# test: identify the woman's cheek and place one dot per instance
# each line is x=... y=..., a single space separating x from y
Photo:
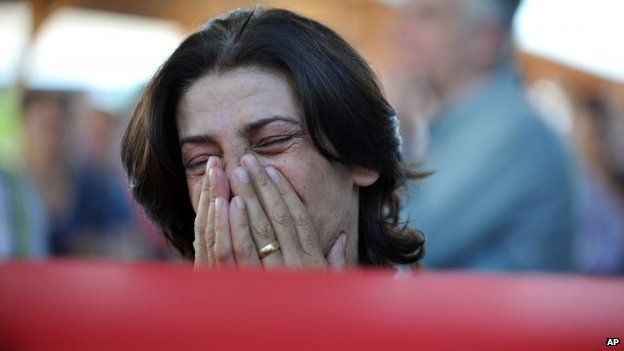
x=194 y=189
x=306 y=182
x=294 y=172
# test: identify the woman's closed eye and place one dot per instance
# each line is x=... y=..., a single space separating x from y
x=274 y=144
x=195 y=161
x=197 y=164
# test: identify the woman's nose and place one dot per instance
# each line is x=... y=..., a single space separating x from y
x=231 y=161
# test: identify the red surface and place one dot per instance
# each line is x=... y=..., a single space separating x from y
x=88 y=305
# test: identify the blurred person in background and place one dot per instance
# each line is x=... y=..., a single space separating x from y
x=5 y=231
x=586 y=120
x=23 y=223
x=614 y=136
x=502 y=192
x=22 y=218
x=86 y=210
x=600 y=246
x=107 y=226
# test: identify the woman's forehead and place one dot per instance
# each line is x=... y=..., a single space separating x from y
x=240 y=83
x=236 y=98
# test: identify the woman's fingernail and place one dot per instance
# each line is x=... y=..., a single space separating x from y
x=273 y=174
x=343 y=240
x=239 y=202
x=250 y=162
x=219 y=204
x=212 y=176
x=336 y=257
x=241 y=175
x=212 y=161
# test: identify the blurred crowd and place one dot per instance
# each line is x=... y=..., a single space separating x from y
x=66 y=195
x=525 y=176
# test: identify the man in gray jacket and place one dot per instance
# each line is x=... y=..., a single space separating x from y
x=502 y=192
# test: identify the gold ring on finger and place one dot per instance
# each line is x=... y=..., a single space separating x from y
x=268 y=249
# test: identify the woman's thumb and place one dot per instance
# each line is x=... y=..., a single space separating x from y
x=336 y=257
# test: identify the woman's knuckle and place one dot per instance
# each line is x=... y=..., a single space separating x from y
x=248 y=193
x=302 y=220
x=240 y=225
x=245 y=249
x=220 y=227
x=282 y=216
x=316 y=261
x=263 y=230
x=205 y=187
x=309 y=247
x=221 y=255
x=263 y=179
x=296 y=263
x=197 y=244
x=199 y=227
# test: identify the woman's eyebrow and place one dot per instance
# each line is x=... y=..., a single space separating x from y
x=254 y=126
x=196 y=139
x=247 y=130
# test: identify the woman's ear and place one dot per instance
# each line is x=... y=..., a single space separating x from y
x=363 y=177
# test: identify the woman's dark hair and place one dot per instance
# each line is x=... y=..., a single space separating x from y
x=346 y=116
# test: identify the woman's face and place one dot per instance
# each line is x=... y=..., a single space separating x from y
x=252 y=110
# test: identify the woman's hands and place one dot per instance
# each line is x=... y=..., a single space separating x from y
x=265 y=208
